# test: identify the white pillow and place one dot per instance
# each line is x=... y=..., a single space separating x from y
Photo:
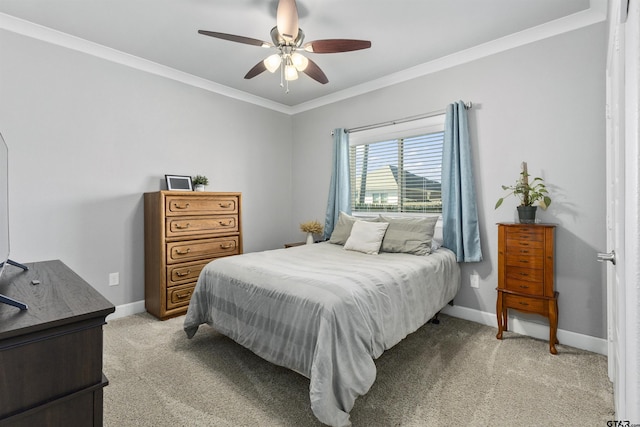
x=366 y=237
x=342 y=228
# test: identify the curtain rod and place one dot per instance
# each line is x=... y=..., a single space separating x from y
x=467 y=106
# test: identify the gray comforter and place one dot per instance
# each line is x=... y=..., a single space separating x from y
x=323 y=311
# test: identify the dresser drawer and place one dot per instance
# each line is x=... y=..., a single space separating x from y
x=183 y=273
x=515 y=244
x=179 y=296
x=533 y=262
x=523 y=232
x=522 y=303
x=525 y=250
x=526 y=274
x=200 y=205
x=194 y=225
x=193 y=250
x=524 y=287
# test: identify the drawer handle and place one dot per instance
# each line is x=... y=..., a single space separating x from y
x=227 y=224
x=524 y=274
x=524 y=251
x=225 y=205
x=182 y=295
x=183 y=226
x=524 y=286
x=183 y=273
x=179 y=252
x=226 y=246
x=524 y=261
x=524 y=244
x=523 y=303
x=177 y=206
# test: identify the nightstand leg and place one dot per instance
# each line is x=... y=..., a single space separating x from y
x=505 y=319
x=499 y=315
x=553 y=324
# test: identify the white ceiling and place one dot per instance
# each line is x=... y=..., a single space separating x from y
x=408 y=37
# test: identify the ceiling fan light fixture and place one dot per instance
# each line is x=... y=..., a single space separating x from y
x=272 y=62
x=290 y=73
x=299 y=61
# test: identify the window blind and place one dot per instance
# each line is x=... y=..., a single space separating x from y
x=398 y=175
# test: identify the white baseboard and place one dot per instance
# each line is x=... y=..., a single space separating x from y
x=535 y=330
x=519 y=326
x=127 y=310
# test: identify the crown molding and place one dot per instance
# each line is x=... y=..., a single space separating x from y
x=40 y=32
x=596 y=13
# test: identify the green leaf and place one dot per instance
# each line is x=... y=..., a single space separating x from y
x=499 y=202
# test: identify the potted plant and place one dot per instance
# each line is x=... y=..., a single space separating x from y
x=199 y=181
x=532 y=193
x=311 y=228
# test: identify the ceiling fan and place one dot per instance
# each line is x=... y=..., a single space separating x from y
x=288 y=40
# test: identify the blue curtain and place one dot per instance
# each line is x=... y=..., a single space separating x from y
x=459 y=209
x=339 y=192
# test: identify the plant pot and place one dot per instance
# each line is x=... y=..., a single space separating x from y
x=527 y=214
x=199 y=187
x=309 y=238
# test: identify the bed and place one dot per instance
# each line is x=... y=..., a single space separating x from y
x=323 y=311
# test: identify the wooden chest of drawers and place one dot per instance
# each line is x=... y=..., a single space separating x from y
x=183 y=232
x=525 y=274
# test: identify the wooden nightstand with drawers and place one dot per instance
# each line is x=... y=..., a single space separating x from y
x=293 y=245
x=183 y=232
x=525 y=275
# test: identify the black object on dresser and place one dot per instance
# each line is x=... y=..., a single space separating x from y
x=51 y=354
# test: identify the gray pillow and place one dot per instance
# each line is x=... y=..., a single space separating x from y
x=409 y=235
x=342 y=229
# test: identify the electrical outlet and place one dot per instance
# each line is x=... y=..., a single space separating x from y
x=475 y=281
x=114 y=279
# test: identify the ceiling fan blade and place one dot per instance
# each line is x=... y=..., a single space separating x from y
x=287 y=19
x=237 y=39
x=315 y=73
x=257 y=69
x=336 y=45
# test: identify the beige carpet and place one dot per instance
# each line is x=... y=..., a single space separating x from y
x=453 y=374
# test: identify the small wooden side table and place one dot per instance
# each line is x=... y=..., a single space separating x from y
x=525 y=275
x=291 y=245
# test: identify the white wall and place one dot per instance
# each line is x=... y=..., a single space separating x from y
x=88 y=137
x=542 y=103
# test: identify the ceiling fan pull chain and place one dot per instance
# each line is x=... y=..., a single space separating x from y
x=281 y=72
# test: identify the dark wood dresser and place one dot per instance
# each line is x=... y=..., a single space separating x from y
x=51 y=354
x=525 y=274
x=183 y=232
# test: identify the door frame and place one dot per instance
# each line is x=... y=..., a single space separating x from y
x=623 y=229
x=632 y=211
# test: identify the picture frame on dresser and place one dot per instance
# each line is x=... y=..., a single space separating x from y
x=179 y=183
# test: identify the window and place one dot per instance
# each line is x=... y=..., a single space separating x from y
x=398 y=170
